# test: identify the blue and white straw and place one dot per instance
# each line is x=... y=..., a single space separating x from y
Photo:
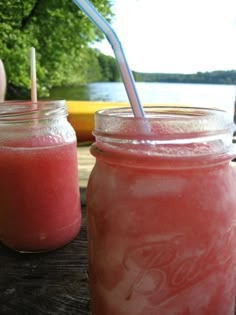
x=113 y=39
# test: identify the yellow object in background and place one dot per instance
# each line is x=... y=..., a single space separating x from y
x=81 y=116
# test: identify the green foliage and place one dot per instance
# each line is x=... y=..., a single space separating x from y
x=214 y=77
x=61 y=34
x=109 y=68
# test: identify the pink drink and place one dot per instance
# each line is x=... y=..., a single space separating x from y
x=39 y=197
x=161 y=229
x=39 y=190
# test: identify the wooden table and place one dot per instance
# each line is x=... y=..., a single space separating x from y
x=52 y=283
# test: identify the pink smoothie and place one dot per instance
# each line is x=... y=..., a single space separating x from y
x=39 y=196
x=161 y=239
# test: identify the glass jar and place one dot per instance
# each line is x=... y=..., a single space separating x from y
x=161 y=209
x=39 y=191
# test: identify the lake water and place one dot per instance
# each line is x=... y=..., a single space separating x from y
x=203 y=95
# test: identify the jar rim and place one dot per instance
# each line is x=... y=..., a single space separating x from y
x=26 y=110
x=120 y=112
x=172 y=130
x=170 y=121
x=29 y=102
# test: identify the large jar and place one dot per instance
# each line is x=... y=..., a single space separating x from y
x=161 y=207
x=39 y=192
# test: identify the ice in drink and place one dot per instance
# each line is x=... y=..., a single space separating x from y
x=39 y=189
x=161 y=226
x=39 y=197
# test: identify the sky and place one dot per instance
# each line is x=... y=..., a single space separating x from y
x=175 y=36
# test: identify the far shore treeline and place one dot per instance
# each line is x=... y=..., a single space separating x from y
x=214 y=77
x=63 y=37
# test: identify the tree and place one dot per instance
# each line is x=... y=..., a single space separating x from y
x=109 y=68
x=58 y=30
x=214 y=77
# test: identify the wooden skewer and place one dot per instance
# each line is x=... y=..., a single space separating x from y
x=3 y=82
x=33 y=77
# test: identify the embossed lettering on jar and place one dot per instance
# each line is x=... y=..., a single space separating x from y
x=161 y=213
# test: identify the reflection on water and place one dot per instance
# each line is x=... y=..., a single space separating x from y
x=91 y=92
x=203 y=95
x=80 y=92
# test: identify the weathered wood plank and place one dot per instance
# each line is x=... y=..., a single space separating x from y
x=85 y=164
x=47 y=283
x=53 y=283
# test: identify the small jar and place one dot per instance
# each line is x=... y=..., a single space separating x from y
x=39 y=190
x=161 y=210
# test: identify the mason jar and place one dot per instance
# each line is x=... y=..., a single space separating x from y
x=39 y=190
x=161 y=212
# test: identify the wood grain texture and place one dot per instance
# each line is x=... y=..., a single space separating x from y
x=85 y=164
x=48 y=283
x=53 y=283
